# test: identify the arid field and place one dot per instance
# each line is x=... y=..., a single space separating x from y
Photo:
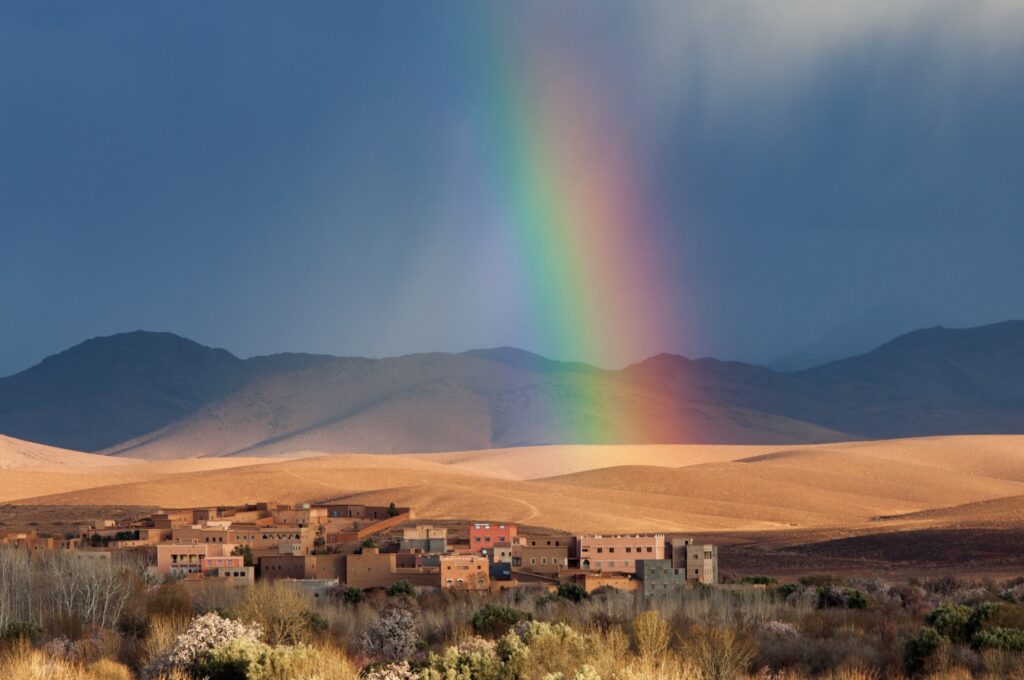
x=761 y=499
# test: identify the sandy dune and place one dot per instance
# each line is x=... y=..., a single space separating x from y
x=939 y=481
x=17 y=454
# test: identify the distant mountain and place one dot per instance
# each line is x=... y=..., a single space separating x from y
x=157 y=395
x=106 y=390
x=859 y=334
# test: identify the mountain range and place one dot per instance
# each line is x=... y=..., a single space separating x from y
x=158 y=395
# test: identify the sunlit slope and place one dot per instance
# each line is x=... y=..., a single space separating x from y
x=604 y=488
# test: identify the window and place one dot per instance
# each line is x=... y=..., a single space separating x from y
x=600 y=550
x=628 y=549
x=611 y=550
x=533 y=560
x=650 y=549
x=543 y=560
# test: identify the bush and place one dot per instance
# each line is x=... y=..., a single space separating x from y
x=953 y=621
x=573 y=592
x=20 y=631
x=719 y=653
x=279 y=610
x=205 y=634
x=651 y=636
x=475 y=658
x=839 y=597
x=1008 y=639
x=393 y=637
x=402 y=587
x=354 y=595
x=171 y=600
x=919 y=649
x=494 y=620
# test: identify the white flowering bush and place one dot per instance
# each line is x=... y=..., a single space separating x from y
x=393 y=637
x=204 y=634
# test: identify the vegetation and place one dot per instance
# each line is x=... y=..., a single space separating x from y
x=104 y=621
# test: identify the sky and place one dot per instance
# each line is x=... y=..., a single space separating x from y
x=329 y=177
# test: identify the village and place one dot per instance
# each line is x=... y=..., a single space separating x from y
x=330 y=548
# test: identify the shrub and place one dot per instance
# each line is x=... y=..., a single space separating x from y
x=171 y=600
x=204 y=634
x=246 y=553
x=279 y=610
x=953 y=621
x=719 y=653
x=837 y=596
x=354 y=595
x=651 y=636
x=239 y=659
x=20 y=631
x=475 y=658
x=1009 y=639
x=402 y=587
x=494 y=620
x=573 y=592
x=393 y=637
x=919 y=649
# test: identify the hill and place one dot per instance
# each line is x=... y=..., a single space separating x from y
x=155 y=395
x=16 y=454
x=830 y=489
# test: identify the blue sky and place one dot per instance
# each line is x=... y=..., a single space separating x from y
x=276 y=178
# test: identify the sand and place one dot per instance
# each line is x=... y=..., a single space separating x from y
x=936 y=481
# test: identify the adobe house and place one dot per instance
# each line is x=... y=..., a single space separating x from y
x=183 y=560
x=424 y=538
x=485 y=535
x=659 y=577
x=355 y=510
x=619 y=553
x=302 y=516
x=464 y=572
x=303 y=567
x=543 y=554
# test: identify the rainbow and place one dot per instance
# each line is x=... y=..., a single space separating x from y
x=568 y=189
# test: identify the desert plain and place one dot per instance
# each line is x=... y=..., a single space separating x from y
x=953 y=504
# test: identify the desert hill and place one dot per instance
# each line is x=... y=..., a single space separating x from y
x=158 y=396
x=829 y=488
x=16 y=454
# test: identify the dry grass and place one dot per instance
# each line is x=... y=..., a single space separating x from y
x=22 y=662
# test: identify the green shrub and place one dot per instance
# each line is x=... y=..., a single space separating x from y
x=20 y=631
x=494 y=620
x=354 y=595
x=402 y=587
x=573 y=592
x=919 y=648
x=830 y=597
x=1008 y=639
x=253 y=660
x=953 y=621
